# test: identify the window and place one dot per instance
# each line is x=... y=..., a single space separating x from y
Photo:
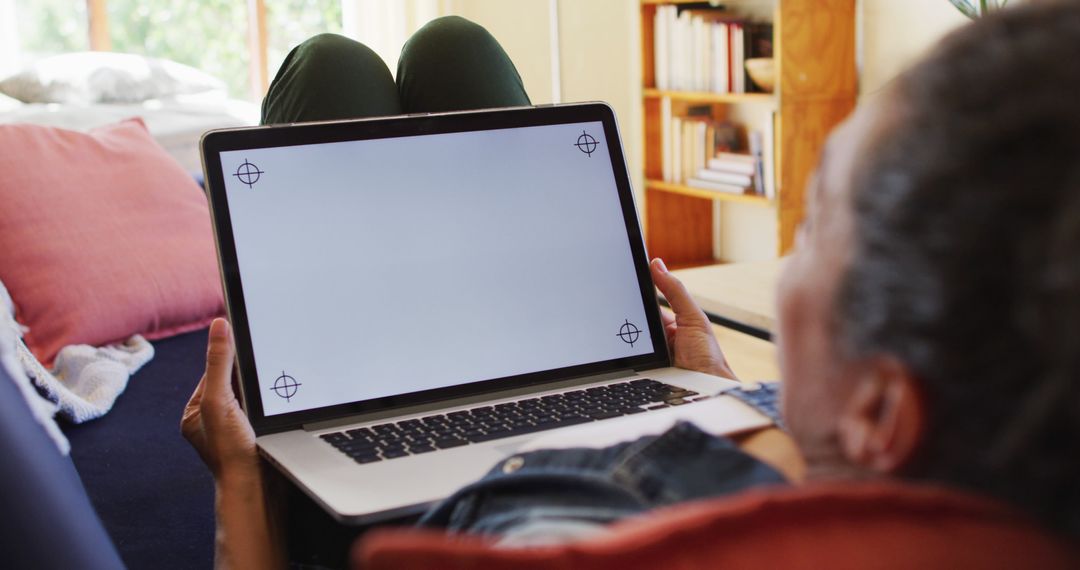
x=293 y=21
x=48 y=27
x=209 y=35
x=241 y=42
x=224 y=38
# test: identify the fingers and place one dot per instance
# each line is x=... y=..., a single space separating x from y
x=219 y=363
x=686 y=309
x=667 y=317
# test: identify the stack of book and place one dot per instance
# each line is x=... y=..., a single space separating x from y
x=702 y=153
x=727 y=172
x=705 y=49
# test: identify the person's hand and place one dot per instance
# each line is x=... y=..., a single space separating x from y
x=213 y=421
x=689 y=333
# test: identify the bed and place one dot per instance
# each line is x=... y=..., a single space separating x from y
x=84 y=90
x=176 y=123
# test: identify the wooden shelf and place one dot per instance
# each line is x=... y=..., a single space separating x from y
x=708 y=97
x=814 y=47
x=708 y=194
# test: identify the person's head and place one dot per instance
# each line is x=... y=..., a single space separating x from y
x=930 y=317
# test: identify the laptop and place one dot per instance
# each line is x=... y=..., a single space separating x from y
x=416 y=298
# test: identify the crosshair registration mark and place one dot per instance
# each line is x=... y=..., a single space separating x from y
x=248 y=173
x=586 y=143
x=629 y=333
x=285 y=386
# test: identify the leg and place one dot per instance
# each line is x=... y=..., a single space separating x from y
x=330 y=77
x=452 y=64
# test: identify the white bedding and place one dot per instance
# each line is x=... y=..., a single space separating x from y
x=175 y=123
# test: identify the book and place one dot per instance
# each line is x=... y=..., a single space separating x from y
x=676 y=149
x=703 y=47
x=715 y=186
x=661 y=69
x=665 y=140
x=768 y=157
x=740 y=180
x=755 y=140
x=720 y=58
x=733 y=164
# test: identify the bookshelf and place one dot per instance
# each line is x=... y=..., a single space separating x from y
x=814 y=49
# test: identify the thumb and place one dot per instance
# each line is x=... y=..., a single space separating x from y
x=687 y=312
x=219 y=362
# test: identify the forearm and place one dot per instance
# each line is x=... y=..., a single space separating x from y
x=244 y=531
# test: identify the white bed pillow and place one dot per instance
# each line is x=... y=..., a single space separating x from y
x=105 y=77
x=8 y=103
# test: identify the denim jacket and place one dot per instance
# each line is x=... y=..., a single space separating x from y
x=555 y=495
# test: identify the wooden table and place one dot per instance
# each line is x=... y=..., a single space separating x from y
x=739 y=295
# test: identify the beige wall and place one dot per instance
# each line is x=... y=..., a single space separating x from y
x=896 y=33
x=523 y=27
x=600 y=52
x=593 y=55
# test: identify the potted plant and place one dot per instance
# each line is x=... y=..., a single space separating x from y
x=975 y=8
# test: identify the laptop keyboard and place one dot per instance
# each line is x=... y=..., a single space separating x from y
x=486 y=423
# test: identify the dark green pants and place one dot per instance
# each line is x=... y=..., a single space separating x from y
x=451 y=64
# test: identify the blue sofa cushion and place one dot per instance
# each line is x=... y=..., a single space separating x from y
x=148 y=485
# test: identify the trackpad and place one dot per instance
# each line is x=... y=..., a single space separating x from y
x=722 y=415
x=508 y=449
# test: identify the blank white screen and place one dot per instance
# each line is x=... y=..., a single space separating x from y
x=383 y=267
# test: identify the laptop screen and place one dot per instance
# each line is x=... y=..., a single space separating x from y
x=390 y=266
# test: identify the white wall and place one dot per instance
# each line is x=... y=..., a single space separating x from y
x=600 y=53
x=896 y=33
x=523 y=27
x=592 y=54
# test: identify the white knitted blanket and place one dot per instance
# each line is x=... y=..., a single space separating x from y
x=85 y=380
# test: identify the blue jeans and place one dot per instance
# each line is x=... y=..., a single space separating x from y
x=578 y=489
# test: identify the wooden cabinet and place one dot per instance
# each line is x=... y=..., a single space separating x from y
x=814 y=48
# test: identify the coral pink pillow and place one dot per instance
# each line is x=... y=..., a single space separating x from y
x=102 y=235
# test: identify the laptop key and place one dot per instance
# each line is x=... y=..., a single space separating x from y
x=356 y=446
x=604 y=415
x=417 y=449
x=366 y=458
x=503 y=434
x=392 y=453
x=449 y=442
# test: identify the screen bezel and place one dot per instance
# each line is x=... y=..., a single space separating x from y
x=215 y=142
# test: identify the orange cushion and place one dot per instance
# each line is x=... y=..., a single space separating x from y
x=103 y=236
x=843 y=525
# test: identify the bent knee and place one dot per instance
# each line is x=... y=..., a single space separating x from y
x=447 y=33
x=328 y=45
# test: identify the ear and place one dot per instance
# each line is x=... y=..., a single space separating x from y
x=883 y=422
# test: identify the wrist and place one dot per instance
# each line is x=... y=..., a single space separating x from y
x=239 y=477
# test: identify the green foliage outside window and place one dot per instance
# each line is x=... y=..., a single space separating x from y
x=48 y=27
x=211 y=35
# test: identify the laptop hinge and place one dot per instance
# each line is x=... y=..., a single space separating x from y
x=468 y=400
